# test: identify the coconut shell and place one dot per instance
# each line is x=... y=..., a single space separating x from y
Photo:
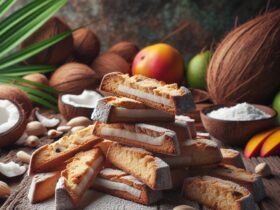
x=110 y=62
x=12 y=93
x=69 y=112
x=246 y=64
x=12 y=135
x=37 y=77
x=86 y=45
x=73 y=78
x=127 y=50
x=58 y=53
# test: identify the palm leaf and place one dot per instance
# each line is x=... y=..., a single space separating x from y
x=38 y=19
x=25 y=70
x=4 y=6
x=42 y=102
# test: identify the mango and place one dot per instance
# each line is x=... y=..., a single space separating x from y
x=271 y=146
x=254 y=145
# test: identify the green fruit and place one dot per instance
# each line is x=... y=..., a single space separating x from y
x=196 y=70
x=276 y=106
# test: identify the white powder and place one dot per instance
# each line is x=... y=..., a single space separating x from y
x=239 y=112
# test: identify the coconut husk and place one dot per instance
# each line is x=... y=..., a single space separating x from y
x=127 y=50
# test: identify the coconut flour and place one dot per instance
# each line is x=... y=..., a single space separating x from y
x=239 y=112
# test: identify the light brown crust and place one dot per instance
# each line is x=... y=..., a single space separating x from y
x=181 y=97
x=138 y=162
x=217 y=193
x=170 y=144
x=77 y=169
x=195 y=153
x=52 y=157
x=110 y=110
x=232 y=157
x=147 y=196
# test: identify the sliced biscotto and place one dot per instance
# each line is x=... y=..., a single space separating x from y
x=195 y=153
x=150 y=137
x=153 y=93
x=232 y=157
x=81 y=171
x=119 y=183
x=53 y=156
x=218 y=194
x=43 y=186
x=140 y=163
x=114 y=109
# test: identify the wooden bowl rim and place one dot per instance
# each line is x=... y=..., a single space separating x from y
x=206 y=110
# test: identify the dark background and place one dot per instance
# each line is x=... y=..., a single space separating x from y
x=149 y=21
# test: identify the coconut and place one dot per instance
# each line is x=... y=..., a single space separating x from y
x=59 y=52
x=110 y=62
x=71 y=105
x=13 y=93
x=86 y=45
x=12 y=122
x=37 y=77
x=74 y=78
x=246 y=64
x=127 y=50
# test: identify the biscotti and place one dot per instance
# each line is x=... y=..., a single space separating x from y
x=52 y=156
x=150 y=137
x=80 y=173
x=114 y=109
x=251 y=181
x=43 y=186
x=188 y=122
x=119 y=183
x=232 y=157
x=153 y=93
x=195 y=153
x=218 y=194
x=140 y=163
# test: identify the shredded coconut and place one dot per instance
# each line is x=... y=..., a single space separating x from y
x=239 y=112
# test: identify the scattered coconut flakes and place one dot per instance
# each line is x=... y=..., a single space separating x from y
x=47 y=122
x=12 y=169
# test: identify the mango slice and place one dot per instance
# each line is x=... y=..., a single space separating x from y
x=271 y=146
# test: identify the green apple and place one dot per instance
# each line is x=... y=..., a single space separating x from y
x=276 y=106
x=196 y=70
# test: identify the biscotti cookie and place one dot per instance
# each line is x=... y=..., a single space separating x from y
x=114 y=109
x=140 y=163
x=80 y=173
x=43 y=186
x=251 y=181
x=218 y=194
x=195 y=153
x=232 y=157
x=119 y=183
x=52 y=156
x=153 y=93
x=188 y=122
x=150 y=137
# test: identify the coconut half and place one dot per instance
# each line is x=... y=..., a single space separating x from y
x=12 y=122
x=46 y=122
x=71 y=105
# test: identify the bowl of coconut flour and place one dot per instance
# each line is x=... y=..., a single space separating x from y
x=235 y=124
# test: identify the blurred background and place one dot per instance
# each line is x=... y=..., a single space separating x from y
x=150 y=21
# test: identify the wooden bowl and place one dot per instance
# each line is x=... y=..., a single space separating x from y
x=199 y=96
x=236 y=132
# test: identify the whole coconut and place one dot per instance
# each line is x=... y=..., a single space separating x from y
x=73 y=78
x=56 y=54
x=12 y=93
x=127 y=50
x=37 y=77
x=246 y=64
x=86 y=45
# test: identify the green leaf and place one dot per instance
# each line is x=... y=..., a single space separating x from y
x=42 y=102
x=28 y=52
x=21 y=14
x=25 y=31
x=4 y=6
x=24 y=70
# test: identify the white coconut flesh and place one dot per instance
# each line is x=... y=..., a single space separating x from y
x=87 y=99
x=9 y=115
x=47 y=122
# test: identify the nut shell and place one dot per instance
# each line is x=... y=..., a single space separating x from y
x=59 y=52
x=127 y=50
x=86 y=45
x=110 y=62
x=37 y=77
x=74 y=78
